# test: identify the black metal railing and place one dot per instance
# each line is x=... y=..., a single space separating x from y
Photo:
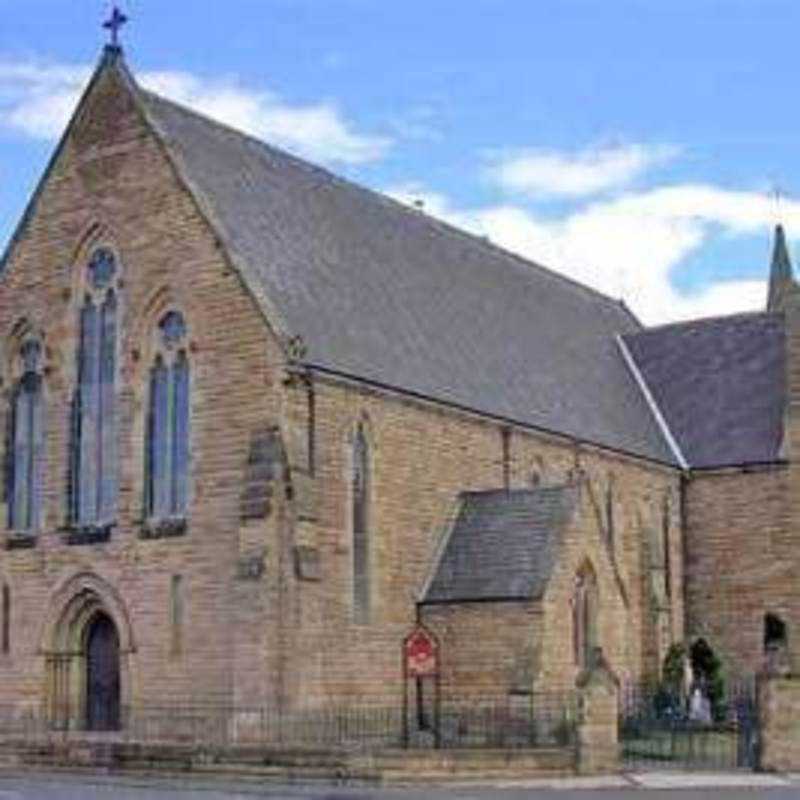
x=658 y=729
x=535 y=720
x=515 y=721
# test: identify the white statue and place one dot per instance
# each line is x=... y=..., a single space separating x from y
x=699 y=707
x=688 y=677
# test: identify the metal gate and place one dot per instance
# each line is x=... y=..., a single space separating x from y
x=658 y=731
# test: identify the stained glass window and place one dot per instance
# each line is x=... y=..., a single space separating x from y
x=180 y=434
x=159 y=438
x=94 y=467
x=26 y=443
x=168 y=423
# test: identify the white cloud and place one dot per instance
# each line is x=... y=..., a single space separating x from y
x=38 y=100
x=724 y=297
x=627 y=247
x=318 y=131
x=625 y=244
x=420 y=123
x=548 y=173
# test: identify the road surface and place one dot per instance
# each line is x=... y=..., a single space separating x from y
x=743 y=786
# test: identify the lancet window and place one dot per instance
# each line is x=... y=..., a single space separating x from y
x=93 y=453
x=585 y=611
x=167 y=446
x=25 y=443
x=361 y=536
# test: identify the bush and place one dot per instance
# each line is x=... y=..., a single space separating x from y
x=672 y=672
x=707 y=668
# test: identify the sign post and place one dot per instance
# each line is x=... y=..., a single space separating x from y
x=421 y=663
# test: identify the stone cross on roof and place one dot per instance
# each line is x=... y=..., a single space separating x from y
x=113 y=24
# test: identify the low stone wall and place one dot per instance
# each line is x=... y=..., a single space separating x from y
x=779 y=720
x=589 y=745
x=385 y=766
x=411 y=766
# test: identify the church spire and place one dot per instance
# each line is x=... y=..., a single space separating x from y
x=780 y=273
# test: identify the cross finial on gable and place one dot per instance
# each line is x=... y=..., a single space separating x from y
x=113 y=25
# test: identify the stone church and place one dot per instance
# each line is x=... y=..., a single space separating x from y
x=261 y=421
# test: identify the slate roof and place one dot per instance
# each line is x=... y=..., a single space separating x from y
x=384 y=293
x=502 y=546
x=720 y=385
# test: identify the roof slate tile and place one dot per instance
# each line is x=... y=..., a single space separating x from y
x=503 y=545
x=719 y=384
x=384 y=293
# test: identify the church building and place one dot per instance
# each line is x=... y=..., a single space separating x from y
x=261 y=422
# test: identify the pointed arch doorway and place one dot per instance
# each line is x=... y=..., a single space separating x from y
x=102 y=674
x=88 y=646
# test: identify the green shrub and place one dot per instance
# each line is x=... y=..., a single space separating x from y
x=672 y=670
x=708 y=668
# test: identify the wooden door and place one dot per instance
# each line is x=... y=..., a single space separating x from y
x=102 y=675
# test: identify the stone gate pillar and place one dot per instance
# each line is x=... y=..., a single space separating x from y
x=598 y=709
x=779 y=723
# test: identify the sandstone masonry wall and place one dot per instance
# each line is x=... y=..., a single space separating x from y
x=112 y=185
x=423 y=455
x=267 y=600
x=740 y=561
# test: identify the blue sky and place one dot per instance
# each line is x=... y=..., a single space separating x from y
x=632 y=144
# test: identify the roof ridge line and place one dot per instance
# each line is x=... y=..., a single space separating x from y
x=714 y=318
x=435 y=222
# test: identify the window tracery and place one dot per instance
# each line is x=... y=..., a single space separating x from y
x=25 y=444
x=167 y=446
x=93 y=491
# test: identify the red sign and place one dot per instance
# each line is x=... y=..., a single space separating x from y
x=421 y=654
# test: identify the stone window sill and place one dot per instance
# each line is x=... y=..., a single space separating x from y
x=20 y=541
x=167 y=528
x=89 y=534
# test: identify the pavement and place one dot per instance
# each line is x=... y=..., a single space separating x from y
x=664 y=780
x=656 y=785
